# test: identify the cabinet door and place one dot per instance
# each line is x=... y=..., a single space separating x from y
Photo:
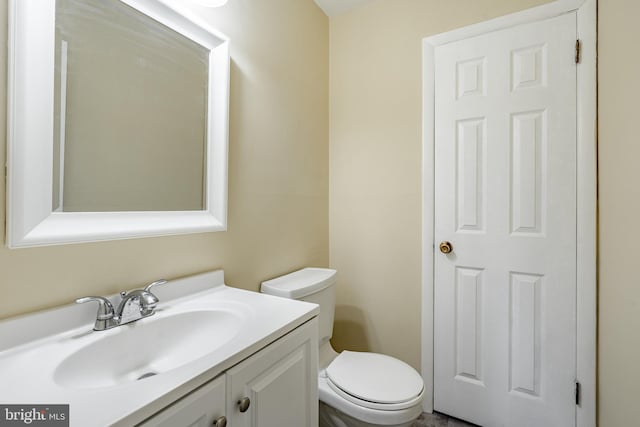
x=198 y=409
x=280 y=381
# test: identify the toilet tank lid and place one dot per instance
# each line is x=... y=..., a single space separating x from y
x=300 y=283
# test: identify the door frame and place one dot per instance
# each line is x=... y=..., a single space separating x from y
x=586 y=215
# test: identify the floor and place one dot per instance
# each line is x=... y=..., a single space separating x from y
x=439 y=420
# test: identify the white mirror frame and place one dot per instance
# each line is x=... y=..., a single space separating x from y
x=30 y=217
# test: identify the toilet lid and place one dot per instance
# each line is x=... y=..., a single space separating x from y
x=375 y=378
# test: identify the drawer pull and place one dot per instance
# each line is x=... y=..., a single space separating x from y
x=243 y=404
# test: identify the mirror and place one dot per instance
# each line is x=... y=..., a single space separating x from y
x=118 y=122
x=130 y=108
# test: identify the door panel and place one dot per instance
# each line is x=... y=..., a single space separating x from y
x=505 y=197
x=198 y=409
x=280 y=381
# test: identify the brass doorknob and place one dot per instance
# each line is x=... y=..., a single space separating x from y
x=446 y=247
x=243 y=404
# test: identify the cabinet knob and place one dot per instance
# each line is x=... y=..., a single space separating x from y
x=220 y=422
x=243 y=404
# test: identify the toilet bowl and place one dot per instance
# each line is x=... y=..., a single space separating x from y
x=356 y=389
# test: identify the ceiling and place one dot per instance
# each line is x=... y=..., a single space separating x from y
x=337 y=7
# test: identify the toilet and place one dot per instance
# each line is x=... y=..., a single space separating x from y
x=356 y=389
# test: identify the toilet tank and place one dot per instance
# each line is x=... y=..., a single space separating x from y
x=316 y=285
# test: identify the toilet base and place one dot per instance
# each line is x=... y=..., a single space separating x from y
x=331 y=417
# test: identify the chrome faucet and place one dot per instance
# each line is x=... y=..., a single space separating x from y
x=134 y=305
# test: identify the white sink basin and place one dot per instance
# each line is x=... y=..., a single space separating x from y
x=147 y=348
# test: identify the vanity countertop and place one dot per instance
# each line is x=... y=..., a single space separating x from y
x=34 y=347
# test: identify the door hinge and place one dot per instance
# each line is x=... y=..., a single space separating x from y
x=578 y=51
x=578 y=393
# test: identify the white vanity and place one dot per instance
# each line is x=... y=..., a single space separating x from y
x=210 y=355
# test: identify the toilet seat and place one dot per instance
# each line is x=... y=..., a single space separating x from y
x=376 y=417
x=375 y=381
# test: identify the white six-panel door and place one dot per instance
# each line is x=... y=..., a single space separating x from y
x=505 y=198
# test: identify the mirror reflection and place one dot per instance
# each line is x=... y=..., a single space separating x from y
x=130 y=125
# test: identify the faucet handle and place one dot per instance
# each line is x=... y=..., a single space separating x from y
x=105 y=308
x=156 y=283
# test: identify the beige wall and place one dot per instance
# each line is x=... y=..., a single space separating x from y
x=278 y=173
x=619 y=206
x=375 y=157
